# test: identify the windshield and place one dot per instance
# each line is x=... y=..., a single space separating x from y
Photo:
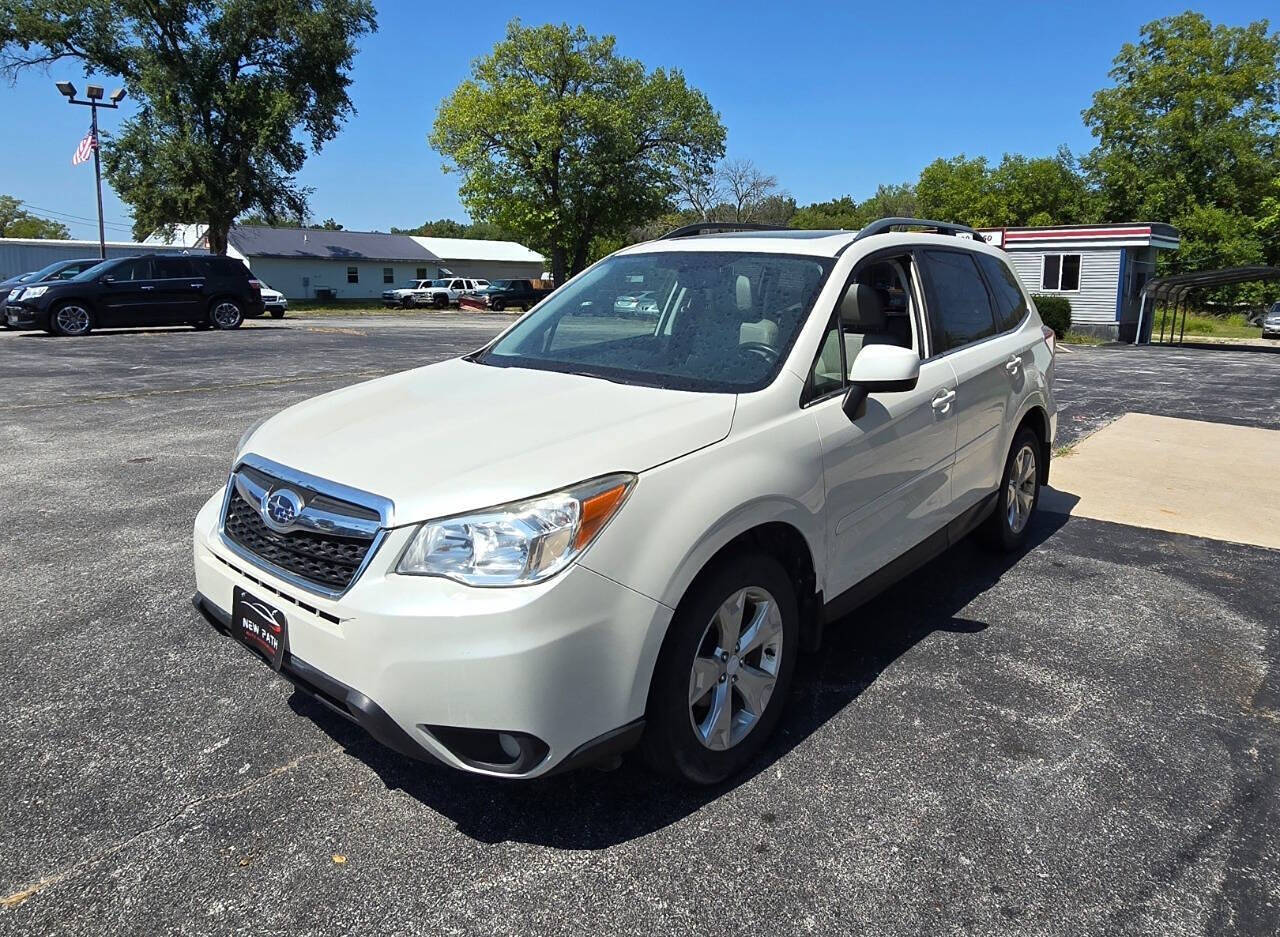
x=46 y=272
x=719 y=322
x=96 y=270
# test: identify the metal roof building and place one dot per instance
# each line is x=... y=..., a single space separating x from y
x=305 y=262
x=22 y=255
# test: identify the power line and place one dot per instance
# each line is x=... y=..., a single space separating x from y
x=65 y=216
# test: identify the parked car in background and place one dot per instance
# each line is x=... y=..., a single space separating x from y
x=641 y=304
x=406 y=295
x=273 y=302
x=1271 y=322
x=450 y=290
x=58 y=270
x=202 y=290
x=640 y=522
x=513 y=294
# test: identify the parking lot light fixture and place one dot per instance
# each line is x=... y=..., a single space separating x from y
x=93 y=92
x=66 y=88
x=118 y=95
x=93 y=100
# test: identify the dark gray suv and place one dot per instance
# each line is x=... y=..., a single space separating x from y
x=154 y=289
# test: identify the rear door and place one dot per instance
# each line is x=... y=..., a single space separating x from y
x=179 y=290
x=962 y=325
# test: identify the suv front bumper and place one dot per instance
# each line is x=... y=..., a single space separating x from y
x=420 y=662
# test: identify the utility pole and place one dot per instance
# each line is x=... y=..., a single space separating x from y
x=94 y=95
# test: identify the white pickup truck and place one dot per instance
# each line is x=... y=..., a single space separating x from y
x=447 y=292
x=407 y=295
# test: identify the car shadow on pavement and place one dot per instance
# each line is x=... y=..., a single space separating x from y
x=593 y=809
x=149 y=330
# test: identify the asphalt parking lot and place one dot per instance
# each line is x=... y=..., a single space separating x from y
x=1081 y=739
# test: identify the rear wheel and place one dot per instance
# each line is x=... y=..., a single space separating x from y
x=724 y=672
x=71 y=319
x=1006 y=528
x=225 y=314
x=406 y=302
x=498 y=305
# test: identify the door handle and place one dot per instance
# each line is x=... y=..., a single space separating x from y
x=1013 y=364
x=943 y=401
x=196 y=286
x=146 y=287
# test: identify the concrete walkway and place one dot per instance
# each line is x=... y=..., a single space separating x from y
x=1183 y=476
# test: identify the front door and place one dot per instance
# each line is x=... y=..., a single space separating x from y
x=179 y=291
x=128 y=291
x=888 y=472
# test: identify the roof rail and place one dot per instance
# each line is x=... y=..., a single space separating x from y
x=716 y=227
x=883 y=225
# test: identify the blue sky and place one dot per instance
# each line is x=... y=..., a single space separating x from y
x=833 y=98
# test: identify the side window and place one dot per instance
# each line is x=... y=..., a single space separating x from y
x=353 y=274
x=959 y=305
x=421 y=273
x=173 y=268
x=827 y=375
x=388 y=275
x=878 y=307
x=1011 y=304
x=139 y=269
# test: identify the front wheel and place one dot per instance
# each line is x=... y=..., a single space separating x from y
x=71 y=319
x=277 y=313
x=440 y=300
x=225 y=314
x=1006 y=528
x=724 y=671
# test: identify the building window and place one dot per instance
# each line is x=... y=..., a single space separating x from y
x=353 y=275
x=388 y=275
x=421 y=273
x=1061 y=273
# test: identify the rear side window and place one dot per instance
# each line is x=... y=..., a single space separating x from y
x=220 y=267
x=139 y=269
x=959 y=305
x=1011 y=304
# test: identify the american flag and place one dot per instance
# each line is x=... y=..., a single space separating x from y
x=85 y=149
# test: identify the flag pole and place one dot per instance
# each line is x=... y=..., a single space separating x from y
x=97 y=176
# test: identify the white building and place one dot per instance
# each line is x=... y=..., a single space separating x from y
x=23 y=255
x=304 y=263
x=1100 y=268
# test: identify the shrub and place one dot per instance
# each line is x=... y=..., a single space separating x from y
x=1195 y=325
x=1055 y=312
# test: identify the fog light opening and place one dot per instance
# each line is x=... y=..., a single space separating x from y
x=491 y=750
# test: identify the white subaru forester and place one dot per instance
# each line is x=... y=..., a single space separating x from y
x=607 y=530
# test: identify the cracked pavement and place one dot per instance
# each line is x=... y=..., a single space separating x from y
x=1081 y=739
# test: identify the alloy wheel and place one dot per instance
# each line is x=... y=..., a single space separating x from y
x=226 y=315
x=1021 y=494
x=735 y=668
x=72 y=320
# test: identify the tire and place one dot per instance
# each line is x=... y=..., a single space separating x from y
x=683 y=738
x=71 y=319
x=225 y=314
x=406 y=302
x=498 y=305
x=277 y=313
x=1019 y=494
x=440 y=300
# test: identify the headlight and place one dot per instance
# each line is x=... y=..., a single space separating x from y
x=34 y=292
x=516 y=544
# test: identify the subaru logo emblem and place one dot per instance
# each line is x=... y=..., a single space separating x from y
x=281 y=508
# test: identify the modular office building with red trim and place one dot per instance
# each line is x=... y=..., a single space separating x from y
x=1100 y=268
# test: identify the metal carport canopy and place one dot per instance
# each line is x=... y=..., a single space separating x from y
x=1176 y=286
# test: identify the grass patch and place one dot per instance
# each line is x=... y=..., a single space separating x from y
x=1082 y=338
x=1231 y=326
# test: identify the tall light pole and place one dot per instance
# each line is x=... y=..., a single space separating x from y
x=94 y=95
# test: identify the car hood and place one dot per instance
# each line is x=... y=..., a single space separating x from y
x=457 y=436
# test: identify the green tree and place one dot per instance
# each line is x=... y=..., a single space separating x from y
x=889 y=201
x=1047 y=190
x=562 y=141
x=17 y=222
x=956 y=189
x=1189 y=134
x=221 y=86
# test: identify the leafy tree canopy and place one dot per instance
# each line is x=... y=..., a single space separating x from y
x=222 y=86
x=561 y=141
x=1021 y=190
x=1190 y=134
x=448 y=228
x=17 y=222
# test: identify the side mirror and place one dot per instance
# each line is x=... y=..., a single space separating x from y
x=879 y=369
x=107 y=279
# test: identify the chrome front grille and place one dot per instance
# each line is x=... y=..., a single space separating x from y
x=313 y=533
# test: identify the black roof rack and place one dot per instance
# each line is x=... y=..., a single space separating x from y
x=717 y=227
x=883 y=225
